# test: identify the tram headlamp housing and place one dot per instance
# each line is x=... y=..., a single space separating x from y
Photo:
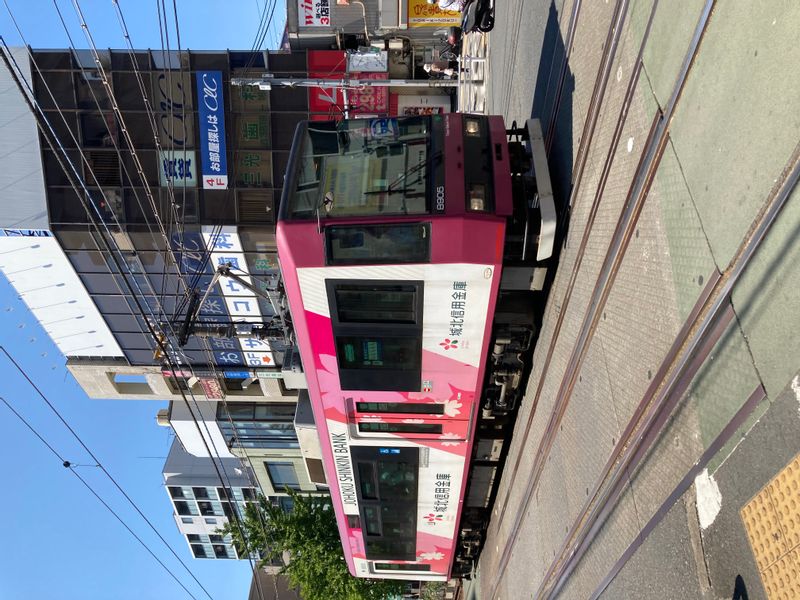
x=477 y=197
x=472 y=127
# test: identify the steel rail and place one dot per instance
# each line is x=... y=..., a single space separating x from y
x=600 y=85
x=647 y=423
x=645 y=172
x=621 y=120
x=741 y=416
x=645 y=428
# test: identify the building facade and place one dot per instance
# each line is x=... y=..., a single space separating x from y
x=202 y=505
x=108 y=242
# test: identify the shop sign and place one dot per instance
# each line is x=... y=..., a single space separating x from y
x=211 y=388
x=422 y=14
x=314 y=13
x=261 y=374
x=177 y=168
x=366 y=100
x=25 y=233
x=212 y=130
x=173 y=99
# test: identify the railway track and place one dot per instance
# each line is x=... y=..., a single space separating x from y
x=709 y=319
x=589 y=128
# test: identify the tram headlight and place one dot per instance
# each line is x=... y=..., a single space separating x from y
x=472 y=127
x=477 y=196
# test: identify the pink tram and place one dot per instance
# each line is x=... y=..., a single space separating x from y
x=413 y=253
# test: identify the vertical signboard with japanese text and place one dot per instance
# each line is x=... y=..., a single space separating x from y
x=314 y=13
x=211 y=110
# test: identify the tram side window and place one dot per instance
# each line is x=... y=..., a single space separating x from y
x=377 y=327
x=387 y=481
x=378 y=244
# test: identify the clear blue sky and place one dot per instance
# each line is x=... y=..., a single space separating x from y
x=60 y=543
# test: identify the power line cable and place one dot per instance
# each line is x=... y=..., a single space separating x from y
x=100 y=465
x=67 y=464
x=105 y=240
x=160 y=342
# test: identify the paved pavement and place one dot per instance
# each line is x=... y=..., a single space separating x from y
x=734 y=130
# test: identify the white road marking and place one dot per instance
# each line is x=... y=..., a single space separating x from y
x=709 y=499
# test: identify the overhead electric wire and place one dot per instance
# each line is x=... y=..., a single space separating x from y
x=74 y=181
x=100 y=465
x=67 y=465
x=159 y=341
x=261 y=33
x=166 y=57
x=86 y=192
x=126 y=173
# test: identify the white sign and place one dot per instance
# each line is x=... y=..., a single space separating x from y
x=314 y=13
x=178 y=167
x=368 y=62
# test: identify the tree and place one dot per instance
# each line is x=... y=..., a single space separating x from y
x=308 y=534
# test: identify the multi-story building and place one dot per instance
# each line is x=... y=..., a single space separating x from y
x=202 y=505
x=107 y=242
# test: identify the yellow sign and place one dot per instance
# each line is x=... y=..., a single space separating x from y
x=422 y=14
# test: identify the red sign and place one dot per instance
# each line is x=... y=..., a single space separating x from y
x=211 y=388
x=328 y=101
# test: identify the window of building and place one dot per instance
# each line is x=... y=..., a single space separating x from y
x=199 y=551
x=221 y=551
x=211 y=521
x=206 y=508
x=285 y=502
x=282 y=475
x=98 y=130
x=193 y=537
x=91 y=90
x=258 y=424
x=249 y=494
x=200 y=493
x=184 y=508
x=187 y=520
x=215 y=539
x=60 y=84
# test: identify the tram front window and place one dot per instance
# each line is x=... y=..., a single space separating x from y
x=362 y=167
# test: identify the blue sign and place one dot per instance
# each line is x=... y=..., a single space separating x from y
x=25 y=233
x=237 y=374
x=384 y=128
x=211 y=105
x=389 y=450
